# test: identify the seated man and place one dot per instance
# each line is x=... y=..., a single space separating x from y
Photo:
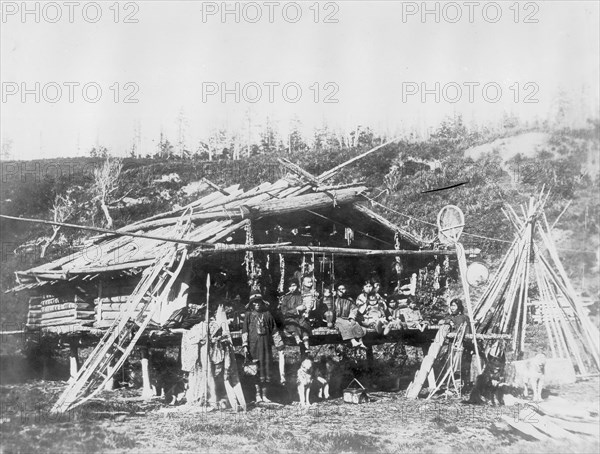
x=344 y=314
x=294 y=315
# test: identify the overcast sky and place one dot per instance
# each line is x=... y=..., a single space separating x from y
x=373 y=58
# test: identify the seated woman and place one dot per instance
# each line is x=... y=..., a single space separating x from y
x=456 y=318
x=344 y=314
x=294 y=314
x=394 y=314
x=361 y=300
x=378 y=290
x=374 y=314
x=411 y=315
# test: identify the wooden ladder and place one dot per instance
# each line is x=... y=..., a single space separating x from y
x=118 y=342
x=453 y=362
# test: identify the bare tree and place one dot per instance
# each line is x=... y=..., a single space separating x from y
x=6 y=149
x=62 y=209
x=393 y=178
x=105 y=185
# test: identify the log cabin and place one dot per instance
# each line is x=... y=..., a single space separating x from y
x=260 y=236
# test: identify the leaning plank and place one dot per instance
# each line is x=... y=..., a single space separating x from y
x=563 y=408
x=548 y=426
x=525 y=428
x=413 y=390
x=587 y=428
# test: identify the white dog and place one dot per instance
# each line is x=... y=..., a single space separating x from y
x=304 y=381
x=533 y=372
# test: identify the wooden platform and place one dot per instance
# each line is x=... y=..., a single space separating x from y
x=159 y=338
x=321 y=336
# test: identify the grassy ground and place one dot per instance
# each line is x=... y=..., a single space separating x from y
x=119 y=422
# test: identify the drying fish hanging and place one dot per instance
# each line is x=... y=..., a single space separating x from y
x=398 y=267
x=436 y=277
x=281 y=287
x=307 y=266
x=348 y=235
x=334 y=231
x=396 y=241
x=249 y=258
x=422 y=276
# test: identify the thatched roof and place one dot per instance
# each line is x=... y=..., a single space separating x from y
x=214 y=217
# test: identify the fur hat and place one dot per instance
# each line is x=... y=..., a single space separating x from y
x=256 y=295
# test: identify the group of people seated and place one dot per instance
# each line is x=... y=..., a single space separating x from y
x=301 y=309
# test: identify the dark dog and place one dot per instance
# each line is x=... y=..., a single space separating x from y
x=325 y=372
x=166 y=379
x=488 y=387
x=127 y=377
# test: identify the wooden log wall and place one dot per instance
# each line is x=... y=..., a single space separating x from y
x=50 y=311
x=108 y=308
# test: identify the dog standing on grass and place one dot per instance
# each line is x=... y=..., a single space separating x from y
x=310 y=374
x=325 y=371
x=533 y=373
x=304 y=380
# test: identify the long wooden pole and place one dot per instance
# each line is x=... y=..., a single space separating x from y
x=561 y=213
x=206 y=247
x=286 y=249
x=207 y=356
x=543 y=305
x=462 y=264
x=331 y=172
x=590 y=330
x=112 y=232
x=521 y=320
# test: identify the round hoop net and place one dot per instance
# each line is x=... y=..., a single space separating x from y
x=451 y=222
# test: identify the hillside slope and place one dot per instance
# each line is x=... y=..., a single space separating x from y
x=495 y=172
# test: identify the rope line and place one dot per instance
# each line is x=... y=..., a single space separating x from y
x=464 y=233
